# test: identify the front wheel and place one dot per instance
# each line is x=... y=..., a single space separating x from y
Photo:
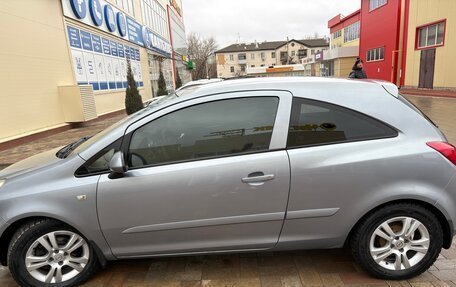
x=398 y=241
x=49 y=253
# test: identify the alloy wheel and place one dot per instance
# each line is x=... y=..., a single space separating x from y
x=399 y=243
x=57 y=256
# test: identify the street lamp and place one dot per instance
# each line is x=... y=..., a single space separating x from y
x=210 y=60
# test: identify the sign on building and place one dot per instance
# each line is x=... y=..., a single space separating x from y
x=102 y=62
x=106 y=17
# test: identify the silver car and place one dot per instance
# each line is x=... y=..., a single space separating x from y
x=242 y=165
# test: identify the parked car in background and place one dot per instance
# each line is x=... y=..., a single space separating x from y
x=244 y=165
x=199 y=83
x=153 y=100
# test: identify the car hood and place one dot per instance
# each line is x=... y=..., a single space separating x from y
x=30 y=164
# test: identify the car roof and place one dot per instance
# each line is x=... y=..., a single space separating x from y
x=292 y=84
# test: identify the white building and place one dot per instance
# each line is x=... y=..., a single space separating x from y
x=237 y=59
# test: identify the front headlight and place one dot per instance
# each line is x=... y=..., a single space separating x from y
x=2 y=182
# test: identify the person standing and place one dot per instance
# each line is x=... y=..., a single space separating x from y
x=357 y=70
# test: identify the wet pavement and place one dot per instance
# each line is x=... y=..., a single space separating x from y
x=12 y=155
x=442 y=111
x=297 y=268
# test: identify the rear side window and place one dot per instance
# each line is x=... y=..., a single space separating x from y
x=316 y=123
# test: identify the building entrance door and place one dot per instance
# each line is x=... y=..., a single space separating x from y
x=427 y=65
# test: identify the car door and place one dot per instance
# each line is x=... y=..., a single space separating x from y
x=207 y=174
x=339 y=159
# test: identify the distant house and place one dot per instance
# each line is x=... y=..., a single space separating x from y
x=236 y=59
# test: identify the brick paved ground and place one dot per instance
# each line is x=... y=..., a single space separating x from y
x=300 y=268
x=13 y=155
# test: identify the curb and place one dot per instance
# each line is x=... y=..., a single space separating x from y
x=424 y=94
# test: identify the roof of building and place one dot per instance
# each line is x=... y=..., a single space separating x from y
x=340 y=19
x=273 y=45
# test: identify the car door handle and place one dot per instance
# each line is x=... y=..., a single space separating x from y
x=257 y=177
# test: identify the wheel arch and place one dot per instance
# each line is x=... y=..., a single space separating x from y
x=7 y=235
x=447 y=227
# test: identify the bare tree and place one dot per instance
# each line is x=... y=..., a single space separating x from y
x=315 y=35
x=200 y=50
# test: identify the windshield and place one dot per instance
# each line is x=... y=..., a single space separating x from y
x=139 y=114
x=106 y=131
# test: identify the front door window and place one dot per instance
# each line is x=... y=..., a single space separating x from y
x=214 y=129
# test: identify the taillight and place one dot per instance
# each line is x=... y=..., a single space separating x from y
x=446 y=149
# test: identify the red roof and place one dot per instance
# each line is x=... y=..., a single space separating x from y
x=338 y=22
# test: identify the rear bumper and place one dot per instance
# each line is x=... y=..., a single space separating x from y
x=448 y=203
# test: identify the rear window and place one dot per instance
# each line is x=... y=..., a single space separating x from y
x=415 y=108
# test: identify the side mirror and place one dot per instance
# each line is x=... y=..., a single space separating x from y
x=117 y=165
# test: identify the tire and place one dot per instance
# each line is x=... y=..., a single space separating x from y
x=402 y=256
x=25 y=244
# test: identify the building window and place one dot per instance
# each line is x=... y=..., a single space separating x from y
x=374 y=4
x=283 y=56
x=273 y=55
x=263 y=65
x=126 y=5
x=351 y=32
x=155 y=17
x=232 y=69
x=327 y=69
x=293 y=53
x=242 y=57
x=377 y=54
x=231 y=57
x=252 y=56
x=302 y=53
x=312 y=51
x=179 y=40
x=337 y=34
x=242 y=68
x=431 y=35
x=252 y=66
x=263 y=56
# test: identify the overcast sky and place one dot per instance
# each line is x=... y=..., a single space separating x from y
x=262 y=20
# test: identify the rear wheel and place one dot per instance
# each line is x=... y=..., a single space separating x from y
x=49 y=253
x=398 y=241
